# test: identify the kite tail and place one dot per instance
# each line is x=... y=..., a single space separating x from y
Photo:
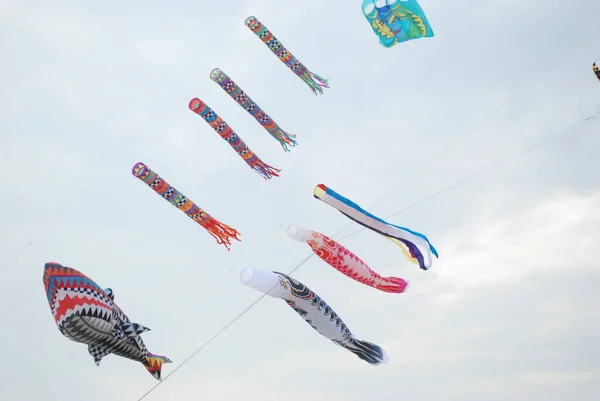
x=264 y=169
x=394 y=285
x=154 y=363
x=373 y=354
x=315 y=82
x=221 y=232
x=284 y=138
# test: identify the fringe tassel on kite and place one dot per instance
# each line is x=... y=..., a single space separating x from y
x=265 y=170
x=221 y=232
x=284 y=138
x=315 y=82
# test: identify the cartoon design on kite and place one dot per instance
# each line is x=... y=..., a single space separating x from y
x=313 y=310
x=596 y=70
x=225 y=131
x=314 y=81
x=221 y=232
x=344 y=261
x=237 y=94
x=86 y=313
x=419 y=249
x=396 y=21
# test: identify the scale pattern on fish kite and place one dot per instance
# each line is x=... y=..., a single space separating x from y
x=237 y=94
x=396 y=21
x=313 y=310
x=314 y=81
x=221 y=232
x=346 y=262
x=418 y=245
x=227 y=133
x=596 y=70
x=86 y=313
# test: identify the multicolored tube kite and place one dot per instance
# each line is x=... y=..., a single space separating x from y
x=313 y=310
x=596 y=70
x=315 y=82
x=227 y=133
x=419 y=248
x=221 y=232
x=344 y=261
x=237 y=94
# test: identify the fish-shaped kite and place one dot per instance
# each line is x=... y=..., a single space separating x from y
x=219 y=231
x=419 y=248
x=237 y=94
x=313 y=310
x=396 y=21
x=596 y=70
x=314 y=81
x=86 y=313
x=344 y=261
x=227 y=133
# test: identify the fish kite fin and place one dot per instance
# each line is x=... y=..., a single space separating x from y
x=98 y=353
x=133 y=329
x=394 y=285
x=110 y=293
x=154 y=364
x=372 y=353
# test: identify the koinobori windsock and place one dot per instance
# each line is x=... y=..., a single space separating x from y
x=313 y=310
x=344 y=261
x=229 y=135
x=419 y=247
x=242 y=98
x=315 y=82
x=221 y=232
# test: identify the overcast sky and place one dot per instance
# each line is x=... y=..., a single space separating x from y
x=508 y=312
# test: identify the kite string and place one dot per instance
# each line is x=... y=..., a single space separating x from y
x=479 y=174
x=403 y=183
x=474 y=127
x=449 y=188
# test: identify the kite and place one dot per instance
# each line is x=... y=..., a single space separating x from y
x=86 y=313
x=315 y=82
x=596 y=70
x=396 y=21
x=344 y=261
x=313 y=310
x=248 y=104
x=221 y=232
x=417 y=243
x=225 y=131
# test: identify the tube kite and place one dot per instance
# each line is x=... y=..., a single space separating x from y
x=86 y=313
x=225 y=131
x=313 y=310
x=419 y=248
x=596 y=70
x=237 y=94
x=315 y=82
x=221 y=232
x=396 y=21
x=344 y=261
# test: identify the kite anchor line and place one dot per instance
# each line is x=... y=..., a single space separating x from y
x=447 y=189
